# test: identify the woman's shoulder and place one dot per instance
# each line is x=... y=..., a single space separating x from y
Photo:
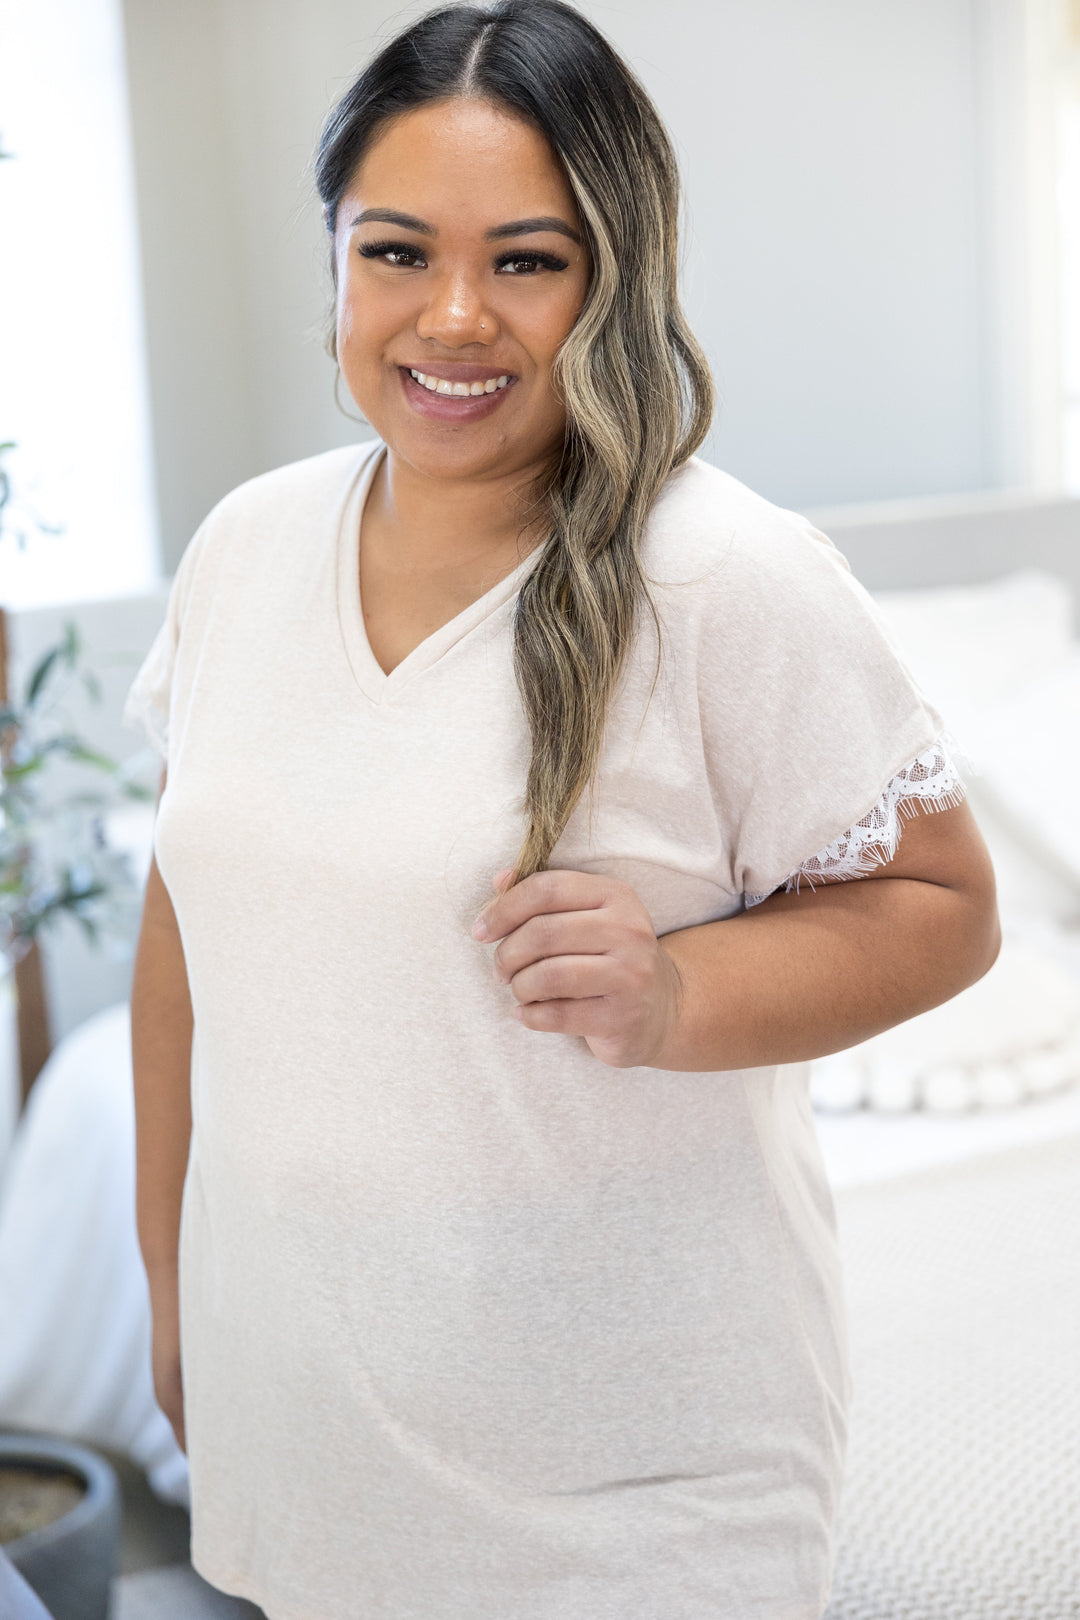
x=265 y=512
x=705 y=523
x=308 y=485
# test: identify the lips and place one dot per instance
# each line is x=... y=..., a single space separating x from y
x=461 y=408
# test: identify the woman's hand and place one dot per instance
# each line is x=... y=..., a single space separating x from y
x=581 y=956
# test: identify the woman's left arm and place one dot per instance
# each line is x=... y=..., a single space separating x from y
x=797 y=976
x=810 y=972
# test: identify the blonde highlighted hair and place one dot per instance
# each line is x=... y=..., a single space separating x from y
x=634 y=381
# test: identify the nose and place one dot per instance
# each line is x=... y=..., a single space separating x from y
x=456 y=313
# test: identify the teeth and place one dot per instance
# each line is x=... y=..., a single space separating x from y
x=458 y=390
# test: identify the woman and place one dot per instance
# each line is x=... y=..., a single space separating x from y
x=507 y=1283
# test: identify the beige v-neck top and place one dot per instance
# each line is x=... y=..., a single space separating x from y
x=473 y=1326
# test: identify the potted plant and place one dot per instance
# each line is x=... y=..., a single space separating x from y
x=55 y=857
x=59 y=1523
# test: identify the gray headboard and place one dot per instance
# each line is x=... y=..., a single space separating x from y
x=957 y=540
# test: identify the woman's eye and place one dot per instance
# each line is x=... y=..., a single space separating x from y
x=407 y=256
x=525 y=264
x=396 y=253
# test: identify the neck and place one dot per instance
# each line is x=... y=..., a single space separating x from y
x=441 y=522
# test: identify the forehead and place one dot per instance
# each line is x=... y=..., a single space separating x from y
x=462 y=161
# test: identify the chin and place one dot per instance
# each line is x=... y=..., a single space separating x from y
x=448 y=451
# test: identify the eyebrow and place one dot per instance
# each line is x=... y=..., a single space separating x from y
x=497 y=233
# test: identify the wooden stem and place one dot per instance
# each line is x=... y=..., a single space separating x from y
x=35 y=1042
x=33 y=1019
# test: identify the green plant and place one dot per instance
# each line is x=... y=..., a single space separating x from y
x=55 y=858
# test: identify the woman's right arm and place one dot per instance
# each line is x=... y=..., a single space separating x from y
x=161 y=1029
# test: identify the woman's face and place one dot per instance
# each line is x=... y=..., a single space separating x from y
x=460 y=256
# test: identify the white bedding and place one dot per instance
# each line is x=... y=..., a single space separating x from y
x=865 y=1146
x=1002 y=664
x=963 y=1473
x=75 y=1348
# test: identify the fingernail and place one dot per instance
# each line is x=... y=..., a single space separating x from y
x=479 y=928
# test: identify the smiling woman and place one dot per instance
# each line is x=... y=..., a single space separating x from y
x=505 y=1286
x=481 y=321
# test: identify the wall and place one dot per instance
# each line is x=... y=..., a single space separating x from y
x=841 y=196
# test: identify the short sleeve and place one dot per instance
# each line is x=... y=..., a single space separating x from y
x=932 y=781
x=817 y=732
x=147 y=705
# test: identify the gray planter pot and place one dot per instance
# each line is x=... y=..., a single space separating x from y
x=17 y=1600
x=69 y=1563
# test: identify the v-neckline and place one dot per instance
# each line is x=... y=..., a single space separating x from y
x=368 y=673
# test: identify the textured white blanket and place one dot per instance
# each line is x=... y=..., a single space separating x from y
x=964 y=1470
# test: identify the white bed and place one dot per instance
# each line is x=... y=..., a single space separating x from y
x=1002 y=660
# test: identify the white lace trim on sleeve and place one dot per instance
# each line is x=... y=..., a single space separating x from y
x=931 y=778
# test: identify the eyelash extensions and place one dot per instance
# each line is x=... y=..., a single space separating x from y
x=546 y=261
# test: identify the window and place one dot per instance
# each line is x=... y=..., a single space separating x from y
x=1068 y=221
x=73 y=388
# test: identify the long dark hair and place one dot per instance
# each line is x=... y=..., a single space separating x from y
x=636 y=386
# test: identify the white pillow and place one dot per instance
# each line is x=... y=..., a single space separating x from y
x=1025 y=746
x=969 y=645
x=1012 y=1036
x=1000 y=663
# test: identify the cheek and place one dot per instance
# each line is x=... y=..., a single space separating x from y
x=366 y=317
x=350 y=329
x=567 y=308
x=544 y=327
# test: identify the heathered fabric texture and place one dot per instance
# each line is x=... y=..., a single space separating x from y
x=475 y=1327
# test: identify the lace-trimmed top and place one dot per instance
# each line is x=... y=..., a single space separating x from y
x=417 y=1233
x=931 y=778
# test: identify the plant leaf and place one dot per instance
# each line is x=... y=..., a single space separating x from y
x=88 y=756
x=41 y=674
x=15 y=773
